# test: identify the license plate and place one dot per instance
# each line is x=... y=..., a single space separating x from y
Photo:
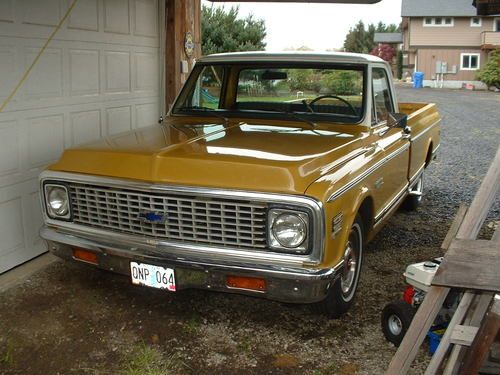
x=152 y=276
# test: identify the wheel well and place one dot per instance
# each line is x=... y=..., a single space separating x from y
x=428 y=158
x=366 y=213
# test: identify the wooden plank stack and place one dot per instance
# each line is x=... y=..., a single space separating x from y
x=472 y=266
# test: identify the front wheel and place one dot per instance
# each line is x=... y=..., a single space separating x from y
x=341 y=294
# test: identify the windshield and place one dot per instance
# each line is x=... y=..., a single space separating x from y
x=333 y=93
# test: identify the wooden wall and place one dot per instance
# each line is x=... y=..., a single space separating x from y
x=182 y=16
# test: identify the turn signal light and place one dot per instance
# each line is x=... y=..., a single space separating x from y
x=251 y=283
x=85 y=256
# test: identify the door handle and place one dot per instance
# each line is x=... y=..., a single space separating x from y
x=372 y=149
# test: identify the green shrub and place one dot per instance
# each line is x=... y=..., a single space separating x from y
x=344 y=82
x=490 y=73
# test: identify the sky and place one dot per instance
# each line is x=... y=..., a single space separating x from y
x=317 y=26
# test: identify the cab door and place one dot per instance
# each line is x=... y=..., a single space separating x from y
x=391 y=180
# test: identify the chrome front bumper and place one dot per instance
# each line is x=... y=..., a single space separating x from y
x=285 y=284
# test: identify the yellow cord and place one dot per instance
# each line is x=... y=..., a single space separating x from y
x=28 y=71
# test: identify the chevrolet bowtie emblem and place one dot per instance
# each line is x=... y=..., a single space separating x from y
x=153 y=217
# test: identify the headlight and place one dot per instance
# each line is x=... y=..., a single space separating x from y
x=57 y=201
x=289 y=230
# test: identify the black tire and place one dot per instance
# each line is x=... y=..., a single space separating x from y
x=341 y=294
x=396 y=319
x=412 y=202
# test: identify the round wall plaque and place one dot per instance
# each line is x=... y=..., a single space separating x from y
x=189 y=44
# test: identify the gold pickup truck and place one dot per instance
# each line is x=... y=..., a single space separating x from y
x=268 y=177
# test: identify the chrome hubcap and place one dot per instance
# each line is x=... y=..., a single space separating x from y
x=395 y=325
x=350 y=267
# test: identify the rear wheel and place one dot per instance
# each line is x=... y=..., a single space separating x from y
x=413 y=200
x=341 y=294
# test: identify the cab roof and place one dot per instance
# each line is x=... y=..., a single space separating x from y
x=295 y=56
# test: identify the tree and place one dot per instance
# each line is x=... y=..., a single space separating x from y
x=490 y=73
x=384 y=51
x=360 y=38
x=399 y=64
x=223 y=31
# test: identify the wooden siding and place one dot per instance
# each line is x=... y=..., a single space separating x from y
x=461 y=34
x=490 y=39
x=182 y=16
x=427 y=58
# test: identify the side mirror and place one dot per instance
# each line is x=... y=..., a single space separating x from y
x=397 y=120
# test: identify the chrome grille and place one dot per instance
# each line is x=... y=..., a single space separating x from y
x=189 y=218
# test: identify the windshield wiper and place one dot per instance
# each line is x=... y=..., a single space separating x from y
x=205 y=110
x=296 y=116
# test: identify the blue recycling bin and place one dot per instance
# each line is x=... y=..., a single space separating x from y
x=418 y=80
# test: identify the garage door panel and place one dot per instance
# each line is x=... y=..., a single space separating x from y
x=45 y=80
x=11 y=225
x=98 y=77
x=20 y=220
x=84 y=72
x=118 y=120
x=9 y=148
x=145 y=72
x=85 y=126
x=33 y=219
x=45 y=140
x=7 y=10
x=47 y=12
x=8 y=69
x=146 y=114
x=145 y=11
x=84 y=16
x=117 y=71
x=116 y=16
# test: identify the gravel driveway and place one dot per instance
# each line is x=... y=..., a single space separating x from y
x=68 y=319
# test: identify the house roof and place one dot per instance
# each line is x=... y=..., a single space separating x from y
x=429 y=8
x=388 y=38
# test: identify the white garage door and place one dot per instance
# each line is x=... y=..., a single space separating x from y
x=99 y=76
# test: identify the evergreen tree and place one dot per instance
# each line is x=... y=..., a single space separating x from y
x=360 y=38
x=223 y=31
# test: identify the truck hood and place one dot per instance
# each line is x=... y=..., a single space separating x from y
x=270 y=156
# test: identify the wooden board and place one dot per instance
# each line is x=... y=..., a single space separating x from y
x=485 y=337
x=452 y=232
x=470 y=264
x=463 y=335
x=468 y=229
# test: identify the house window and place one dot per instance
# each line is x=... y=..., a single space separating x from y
x=496 y=25
x=475 y=22
x=469 y=61
x=438 y=21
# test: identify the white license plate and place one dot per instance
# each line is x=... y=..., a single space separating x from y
x=152 y=276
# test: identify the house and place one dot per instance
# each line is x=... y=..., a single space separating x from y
x=447 y=41
x=395 y=40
